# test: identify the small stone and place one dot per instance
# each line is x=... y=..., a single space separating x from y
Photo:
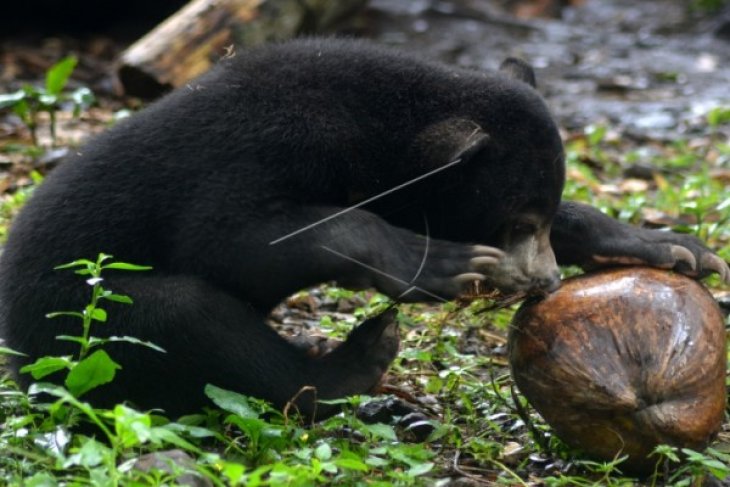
x=383 y=410
x=418 y=425
x=173 y=462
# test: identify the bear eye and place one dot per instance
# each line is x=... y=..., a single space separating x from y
x=524 y=227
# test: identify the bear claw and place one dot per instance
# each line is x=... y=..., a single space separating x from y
x=469 y=277
x=485 y=260
x=486 y=251
x=682 y=254
x=714 y=263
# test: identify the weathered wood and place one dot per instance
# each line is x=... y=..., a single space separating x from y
x=190 y=41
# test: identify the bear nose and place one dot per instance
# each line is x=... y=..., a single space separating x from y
x=547 y=283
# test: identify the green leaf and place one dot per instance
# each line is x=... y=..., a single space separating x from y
x=132 y=427
x=164 y=435
x=48 y=101
x=191 y=430
x=40 y=479
x=128 y=339
x=230 y=401
x=667 y=451
x=22 y=109
x=351 y=463
x=82 y=97
x=90 y=454
x=76 y=263
x=117 y=298
x=376 y=462
x=718 y=116
x=595 y=133
x=411 y=455
x=717 y=468
x=323 y=452
x=93 y=371
x=380 y=430
x=31 y=91
x=10 y=351
x=8 y=100
x=233 y=472
x=48 y=388
x=56 y=314
x=36 y=177
x=335 y=402
x=419 y=469
x=723 y=456
x=251 y=427
x=124 y=266
x=65 y=397
x=47 y=365
x=72 y=338
x=439 y=431
x=97 y=314
x=57 y=76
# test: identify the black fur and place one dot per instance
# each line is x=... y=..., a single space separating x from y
x=200 y=183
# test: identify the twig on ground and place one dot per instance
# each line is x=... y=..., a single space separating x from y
x=291 y=402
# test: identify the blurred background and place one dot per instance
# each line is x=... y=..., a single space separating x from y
x=651 y=67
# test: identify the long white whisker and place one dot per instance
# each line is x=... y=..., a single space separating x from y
x=425 y=252
x=383 y=273
x=365 y=202
x=406 y=292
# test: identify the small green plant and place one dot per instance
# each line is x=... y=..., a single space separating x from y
x=31 y=100
x=718 y=116
x=90 y=369
x=11 y=203
x=696 y=464
x=36 y=436
x=707 y=5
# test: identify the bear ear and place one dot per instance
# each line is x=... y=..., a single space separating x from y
x=519 y=70
x=447 y=141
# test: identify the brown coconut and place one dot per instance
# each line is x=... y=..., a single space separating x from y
x=622 y=360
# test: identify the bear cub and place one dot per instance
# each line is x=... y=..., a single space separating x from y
x=294 y=164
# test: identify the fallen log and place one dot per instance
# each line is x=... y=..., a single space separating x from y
x=191 y=40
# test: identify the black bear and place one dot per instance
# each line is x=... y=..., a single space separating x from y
x=290 y=165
